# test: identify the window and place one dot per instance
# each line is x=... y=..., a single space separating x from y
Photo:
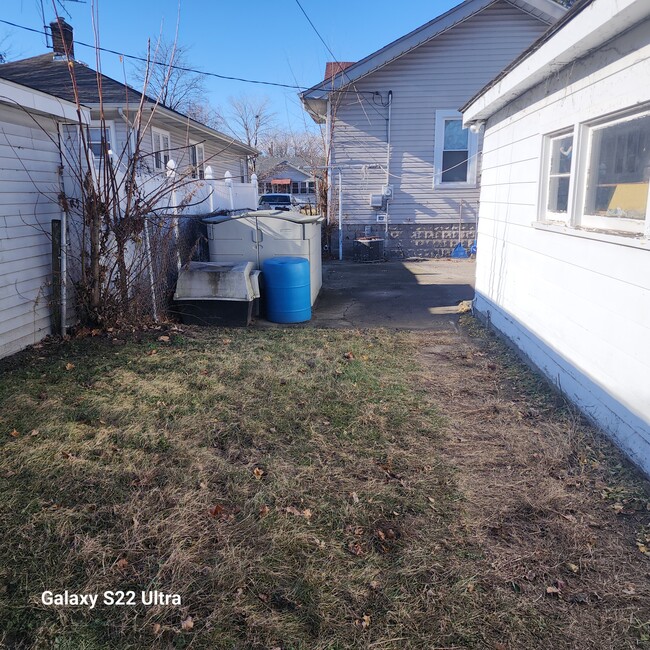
x=455 y=151
x=618 y=174
x=197 y=157
x=160 y=149
x=295 y=189
x=311 y=187
x=559 y=176
x=602 y=183
x=100 y=140
x=243 y=170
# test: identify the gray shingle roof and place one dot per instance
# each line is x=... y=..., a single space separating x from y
x=50 y=75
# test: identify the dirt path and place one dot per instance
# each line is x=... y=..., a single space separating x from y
x=559 y=520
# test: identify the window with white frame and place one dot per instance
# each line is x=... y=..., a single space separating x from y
x=455 y=151
x=100 y=140
x=197 y=159
x=559 y=176
x=161 y=146
x=603 y=185
x=618 y=172
x=243 y=170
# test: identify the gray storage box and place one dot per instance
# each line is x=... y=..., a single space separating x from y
x=264 y=234
x=216 y=294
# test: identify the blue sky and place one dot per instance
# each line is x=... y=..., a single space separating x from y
x=257 y=39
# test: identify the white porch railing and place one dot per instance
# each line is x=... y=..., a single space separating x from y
x=212 y=194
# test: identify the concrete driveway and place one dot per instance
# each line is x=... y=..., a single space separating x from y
x=410 y=295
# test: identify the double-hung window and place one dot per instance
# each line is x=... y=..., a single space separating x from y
x=455 y=152
x=559 y=176
x=603 y=184
x=161 y=148
x=197 y=158
x=100 y=140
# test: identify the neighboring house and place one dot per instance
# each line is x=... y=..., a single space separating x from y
x=408 y=170
x=289 y=176
x=563 y=267
x=170 y=136
x=30 y=183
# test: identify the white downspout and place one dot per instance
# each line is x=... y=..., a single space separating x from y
x=328 y=153
x=64 y=242
x=390 y=106
x=340 y=216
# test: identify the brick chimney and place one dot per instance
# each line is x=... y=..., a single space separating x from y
x=62 y=41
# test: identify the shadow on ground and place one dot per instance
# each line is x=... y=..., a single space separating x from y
x=410 y=295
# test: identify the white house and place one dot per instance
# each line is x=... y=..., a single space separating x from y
x=289 y=176
x=409 y=171
x=563 y=265
x=169 y=135
x=30 y=182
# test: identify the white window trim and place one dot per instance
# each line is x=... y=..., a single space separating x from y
x=546 y=215
x=110 y=127
x=154 y=132
x=472 y=145
x=575 y=222
x=198 y=172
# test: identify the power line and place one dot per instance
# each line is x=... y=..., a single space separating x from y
x=173 y=67
x=341 y=70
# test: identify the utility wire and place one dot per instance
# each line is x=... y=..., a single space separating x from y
x=173 y=67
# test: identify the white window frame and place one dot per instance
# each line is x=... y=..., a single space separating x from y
x=596 y=221
x=159 y=162
x=197 y=166
x=545 y=214
x=243 y=170
x=441 y=117
x=110 y=128
x=610 y=228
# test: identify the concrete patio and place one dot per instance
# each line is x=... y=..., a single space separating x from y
x=411 y=295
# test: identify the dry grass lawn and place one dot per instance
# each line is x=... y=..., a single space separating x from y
x=311 y=489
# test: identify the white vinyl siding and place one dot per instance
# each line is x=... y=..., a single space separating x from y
x=576 y=301
x=441 y=74
x=29 y=185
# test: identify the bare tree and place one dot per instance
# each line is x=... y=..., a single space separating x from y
x=249 y=118
x=177 y=89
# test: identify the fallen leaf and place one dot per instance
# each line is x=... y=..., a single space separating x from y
x=226 y=341
x=307 y=513
x=155 y=628
x=355 y=548
x=14 y=434
x=355 y=497
x=187 y=624
x=203 y=485
x=258 y=473
x=152 y=352
x=34 y=432
x=69 y=366
x=122 y=563
x=574 y=567
x=470 y=587
x=216 y=510
x=264 y=510
x=349 y=356
x=554 y=591
x=164 y=339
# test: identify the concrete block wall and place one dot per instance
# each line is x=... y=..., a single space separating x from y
x=432 y=240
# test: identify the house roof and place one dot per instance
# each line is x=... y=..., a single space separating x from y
x=588 y=25
x=35 y=101
x=546 y=11
x=50 y=74
x=267 y=164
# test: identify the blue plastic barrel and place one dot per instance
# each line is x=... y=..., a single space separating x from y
x=287 y=288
